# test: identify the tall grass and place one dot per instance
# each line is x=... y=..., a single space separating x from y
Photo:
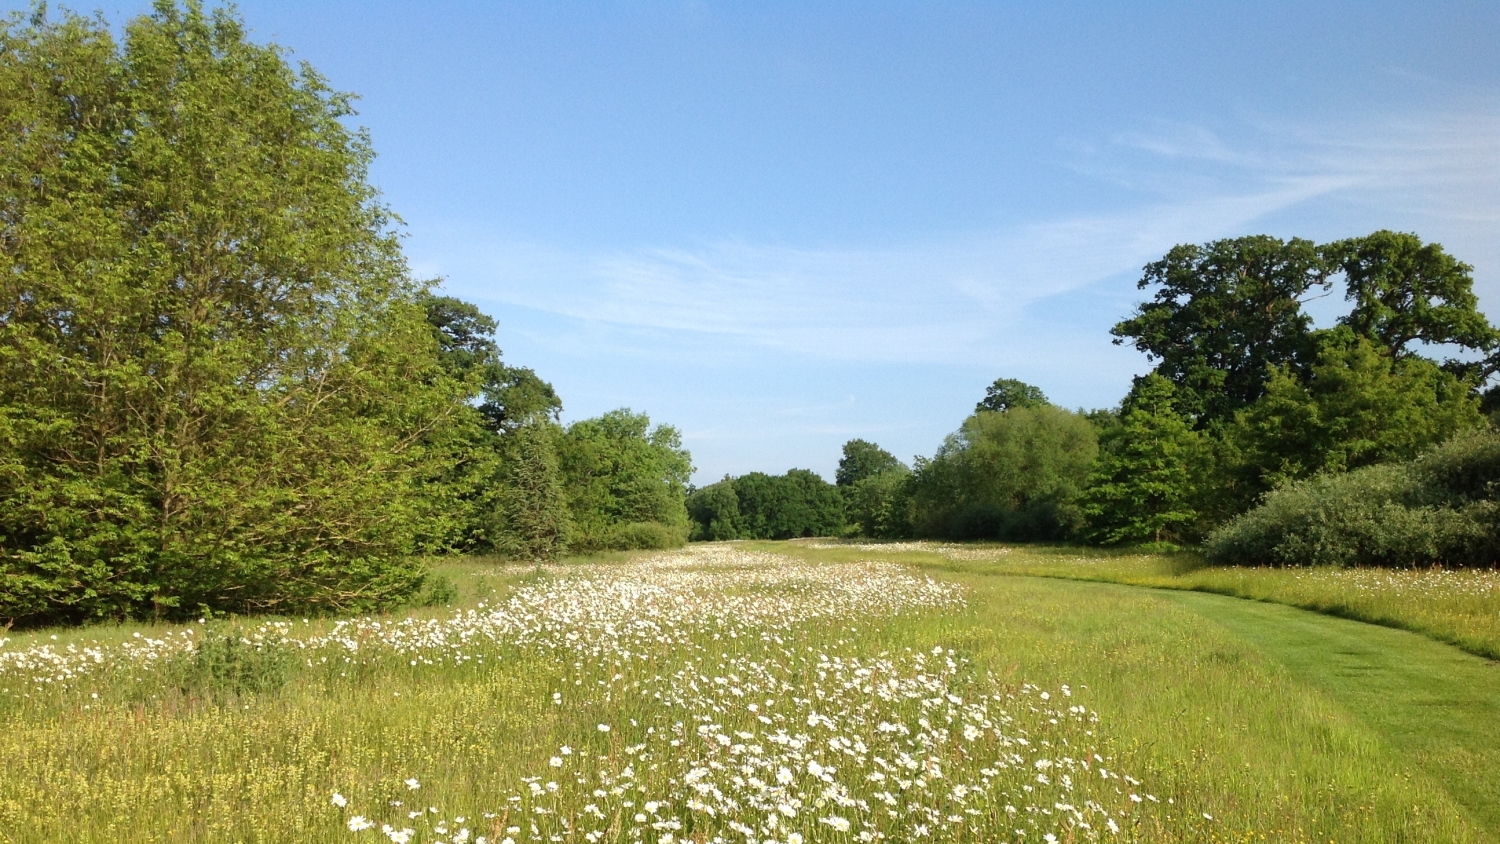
x=1230 y=746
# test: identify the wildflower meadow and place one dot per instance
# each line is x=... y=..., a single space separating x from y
x=714 y=694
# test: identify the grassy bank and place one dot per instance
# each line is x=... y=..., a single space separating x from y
x=480 y=719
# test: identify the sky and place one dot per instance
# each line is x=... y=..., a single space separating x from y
x=781 y=226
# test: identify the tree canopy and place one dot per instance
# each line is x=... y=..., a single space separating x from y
x=1222 y=315
x=1143 y=487
x=863 y=460
x=217 y=386
x=618 y=470
x=1008 y=393
x=1009 y=475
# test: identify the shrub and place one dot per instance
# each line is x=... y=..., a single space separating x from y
x=226 y=664
x=646 y=536
x=1440 y=509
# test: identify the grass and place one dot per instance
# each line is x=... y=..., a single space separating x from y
x=1280 y=725
x=1456 y=606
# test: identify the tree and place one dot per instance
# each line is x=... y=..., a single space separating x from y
x=877 y=504
x=217 y=386
x=1143 y=487
x=1405 y=291
x=1008 y=393
x=1222 y=316
x=530 y=520
x=1358 y=407
x=799 y=503
x=619 y=471
x=1011 y=475
x=715 y=511
x=515 y=396
x=863 y=460
x=465 y=335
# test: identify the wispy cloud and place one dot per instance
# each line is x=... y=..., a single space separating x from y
x=943 y=299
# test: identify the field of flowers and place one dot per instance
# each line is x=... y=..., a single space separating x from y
x=716 y=694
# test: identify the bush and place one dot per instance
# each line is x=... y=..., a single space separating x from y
x=1440 y=509
x=226 y=664
x=645 y=536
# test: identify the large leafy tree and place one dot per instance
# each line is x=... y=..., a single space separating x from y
x=1222 y=315
x=1406 y=292
x=863 y=459
x=217 y=386
x=715 y=511
x=1011 y=475
x=798 y=503
x=1143 y=487
x=1357 y=407
x=529 y=517
x=618 y=471
x=502 y=400
x=1008 y=393
x=877 y=504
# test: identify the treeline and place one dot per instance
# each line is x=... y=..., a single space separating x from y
x=1255 y=433
x=221 y=390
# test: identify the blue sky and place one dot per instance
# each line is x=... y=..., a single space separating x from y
x=781 y=226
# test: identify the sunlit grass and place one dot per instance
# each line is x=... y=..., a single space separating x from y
x=1231 y=746
x=1457 y=606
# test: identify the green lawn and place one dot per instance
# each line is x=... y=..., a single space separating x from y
x=1276 y=724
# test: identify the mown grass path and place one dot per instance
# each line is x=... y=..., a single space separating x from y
x=1423 y=698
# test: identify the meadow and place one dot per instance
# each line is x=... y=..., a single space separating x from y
x=1457 y=606
x=775 y=692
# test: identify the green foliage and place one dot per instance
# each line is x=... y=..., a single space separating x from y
x=1222 y=316
x=1357 y=407
x=1008 y=393
x=799 y=503
x=715 y=511
x=1407 y=291
x=514 y=396
x=217 y=386
x=617 y=470
x=862 y=460
x=438 y=590
x=466 y=336
x=877 y=505
x=1011 y=475
x=1441 y=509
x=225 y=664
x=1143 y=487
x=471 y=481
x=531 y=519
x=647 y=536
